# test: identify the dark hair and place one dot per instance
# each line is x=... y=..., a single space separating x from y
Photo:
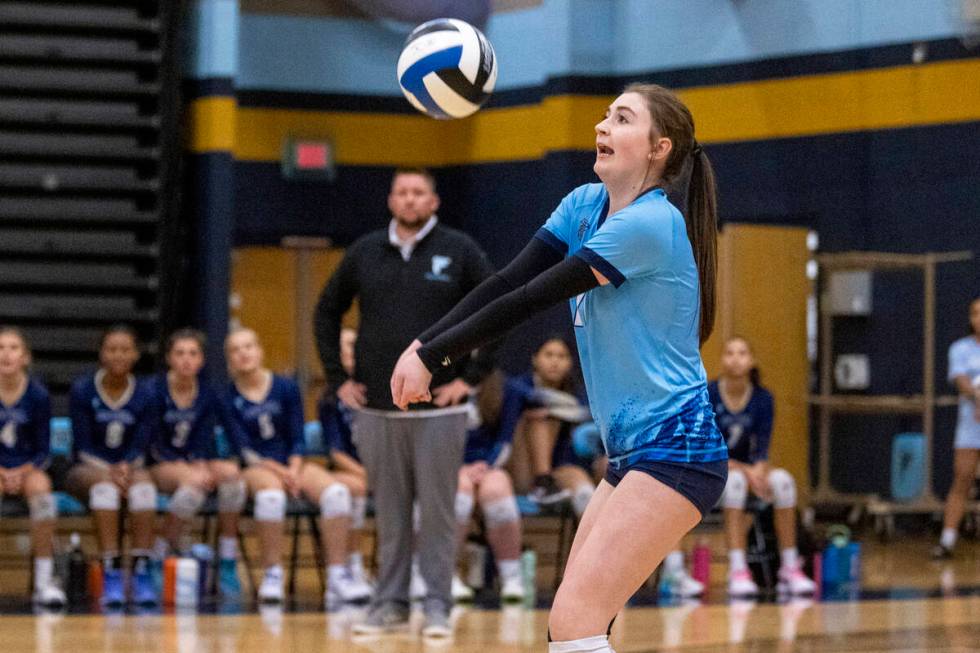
x=7 y=329
x=119 y=328
x=490 y=398
x=673 y=120
x=568 y=384
x=186 y=334
x=422 y=172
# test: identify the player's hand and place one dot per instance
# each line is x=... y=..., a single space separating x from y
x=410 y=382
x=759 y=481
x=13 y=480
x=352 y=393
x=454 y=392
x=537 y=413
x=477 y=471
x=119 y=474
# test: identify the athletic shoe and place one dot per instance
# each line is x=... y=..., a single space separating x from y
x=384 y=618
x=512 y=589
x=143 y=590
x=461 y=591
x=418 y=589
x=940 y=552
x=49 y=596
x=436 y=624
x=740 y=583
x=792 y=580
x=229 y=586
x=546 y=491
x=680 y=584
x=345 y=589
x=270 y=591
x=113 y=589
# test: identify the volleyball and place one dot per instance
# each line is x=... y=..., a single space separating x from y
x=447 y=68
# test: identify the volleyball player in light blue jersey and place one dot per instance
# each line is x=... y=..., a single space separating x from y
x=641 y=279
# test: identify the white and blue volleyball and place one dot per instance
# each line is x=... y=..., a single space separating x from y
x=447 y=68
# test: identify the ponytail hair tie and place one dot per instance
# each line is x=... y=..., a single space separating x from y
x=696 y=150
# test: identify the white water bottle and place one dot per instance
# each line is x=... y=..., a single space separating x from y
x=185 y=590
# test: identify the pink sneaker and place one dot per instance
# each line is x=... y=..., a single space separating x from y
x=740 y=583
x=793 y=581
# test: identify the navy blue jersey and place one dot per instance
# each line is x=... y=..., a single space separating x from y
x=110 y=431
x=184 y=433
x=335 y=418
x=25 y=428
x=271 y=428
x=747 y=432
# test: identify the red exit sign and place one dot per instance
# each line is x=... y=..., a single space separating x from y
x=308 y=159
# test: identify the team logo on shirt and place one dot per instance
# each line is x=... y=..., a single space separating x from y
x=582 y=226
x=439 y=265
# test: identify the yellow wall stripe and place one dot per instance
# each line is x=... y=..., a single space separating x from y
x=904 y=96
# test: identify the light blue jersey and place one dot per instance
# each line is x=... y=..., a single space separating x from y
x=964 y=360
x=638 y=336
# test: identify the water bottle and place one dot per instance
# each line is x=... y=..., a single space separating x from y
x=169 y=580
x=529 y=574
x=186 y=586
x=77 y=578
x=701 y=563
x=204 y=555
x=476 y=565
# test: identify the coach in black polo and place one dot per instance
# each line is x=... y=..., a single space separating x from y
x=406 y=277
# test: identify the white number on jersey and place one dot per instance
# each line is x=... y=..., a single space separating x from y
x=8 y=436
x=114 y=434
x=579 y=308
x=181 y=432
x=266 y=428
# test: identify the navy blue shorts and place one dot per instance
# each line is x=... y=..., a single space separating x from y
x=699 y=483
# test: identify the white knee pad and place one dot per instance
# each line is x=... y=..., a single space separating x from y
x=736 y=490
x=186 y=501
x=103 y=496
x=358 y=511
x=581 y=497
x=335 y=501
x=142 y=497
x=42 y=507
x=232 y=496
x=464 y=507
x=270 y=505
x=500 y=512
x=783 y=488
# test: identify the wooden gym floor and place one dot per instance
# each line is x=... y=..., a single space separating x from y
x=907 y=603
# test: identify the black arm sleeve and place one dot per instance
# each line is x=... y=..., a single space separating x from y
x=334 y=302
x=571 y=277
x=536 y=257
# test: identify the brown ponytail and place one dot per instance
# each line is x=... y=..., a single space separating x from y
x=673 y=120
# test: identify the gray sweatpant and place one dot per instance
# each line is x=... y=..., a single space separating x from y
x=413 y=457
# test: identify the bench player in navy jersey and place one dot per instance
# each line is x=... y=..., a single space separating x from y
x=345 y=463
x=111 y=416
x=25 y=415
x=639 y=277
x=183 y=454
x=269 y=413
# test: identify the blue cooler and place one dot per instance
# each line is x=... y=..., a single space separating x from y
x=908 y=466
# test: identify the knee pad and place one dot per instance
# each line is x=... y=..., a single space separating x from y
x=736 y=490
x=783 y=488
x=270 y=505
x=186 y=501
x=103 y=496
x=500 y=512
x=463 y=507
x=581 y=497
x=142 y=497
x=335 y=501
x=42 y=507
x=358 y=511
x=232 y=496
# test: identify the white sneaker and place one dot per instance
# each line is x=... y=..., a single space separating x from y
x=682 y=585
x=418 y=589
x=461 y=591
x=740 y=583
x=512 y=589
x=270 y=591
x=344 y=588
x=49 y=596
x=792 y=580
